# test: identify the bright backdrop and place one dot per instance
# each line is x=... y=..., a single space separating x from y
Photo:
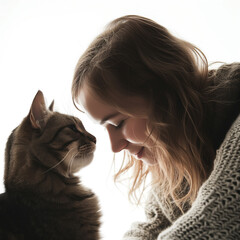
x=41 y=41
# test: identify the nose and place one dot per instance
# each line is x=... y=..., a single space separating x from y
x=118 y=143
x=91 y=138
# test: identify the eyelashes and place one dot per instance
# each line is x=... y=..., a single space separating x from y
x=75 y=130
x=115 y=124
x=120 y=124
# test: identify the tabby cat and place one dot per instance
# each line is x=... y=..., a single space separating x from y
x=43 y=197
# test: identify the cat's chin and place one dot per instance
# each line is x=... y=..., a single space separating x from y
x=87 y=160
x=82 y=161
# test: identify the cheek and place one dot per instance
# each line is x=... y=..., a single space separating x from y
x=135 y=130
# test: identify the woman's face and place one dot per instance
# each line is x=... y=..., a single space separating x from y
x=125 y=133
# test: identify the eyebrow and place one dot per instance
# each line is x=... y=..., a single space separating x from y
x=108 y=117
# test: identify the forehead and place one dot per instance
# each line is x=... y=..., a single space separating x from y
x=59 y=119
x=93 y=105
x=98 y=109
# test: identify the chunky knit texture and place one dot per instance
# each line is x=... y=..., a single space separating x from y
x=215 y=214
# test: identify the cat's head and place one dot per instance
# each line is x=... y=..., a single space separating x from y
x=47 y=141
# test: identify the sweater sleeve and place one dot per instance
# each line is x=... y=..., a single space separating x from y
x=155 y=222
x=215 y=214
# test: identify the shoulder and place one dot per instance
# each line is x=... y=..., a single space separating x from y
x=227 y=70
x=227 y=77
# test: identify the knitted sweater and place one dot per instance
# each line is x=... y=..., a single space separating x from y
x=215 y=214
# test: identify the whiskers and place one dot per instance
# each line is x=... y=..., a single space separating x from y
x=83 y=152
x=64 y=158
x=71 y=163
x=87 y=148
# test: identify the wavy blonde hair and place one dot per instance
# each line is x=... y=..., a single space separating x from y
x=135 y=56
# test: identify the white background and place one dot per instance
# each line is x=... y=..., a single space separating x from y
x=41 y=41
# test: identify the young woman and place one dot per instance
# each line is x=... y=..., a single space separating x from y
x=177 y=120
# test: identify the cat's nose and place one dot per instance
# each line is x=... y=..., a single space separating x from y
x=92 y=138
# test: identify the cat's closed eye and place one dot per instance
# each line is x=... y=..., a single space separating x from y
x=73 y=128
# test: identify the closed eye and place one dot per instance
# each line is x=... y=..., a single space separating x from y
x=120 y=124
x=73 y=128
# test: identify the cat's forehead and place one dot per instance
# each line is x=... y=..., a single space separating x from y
x=63 y=119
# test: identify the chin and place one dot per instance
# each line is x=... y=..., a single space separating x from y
x=82 y=162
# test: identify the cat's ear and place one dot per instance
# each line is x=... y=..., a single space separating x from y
x=50 y=108
x=38 y=111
